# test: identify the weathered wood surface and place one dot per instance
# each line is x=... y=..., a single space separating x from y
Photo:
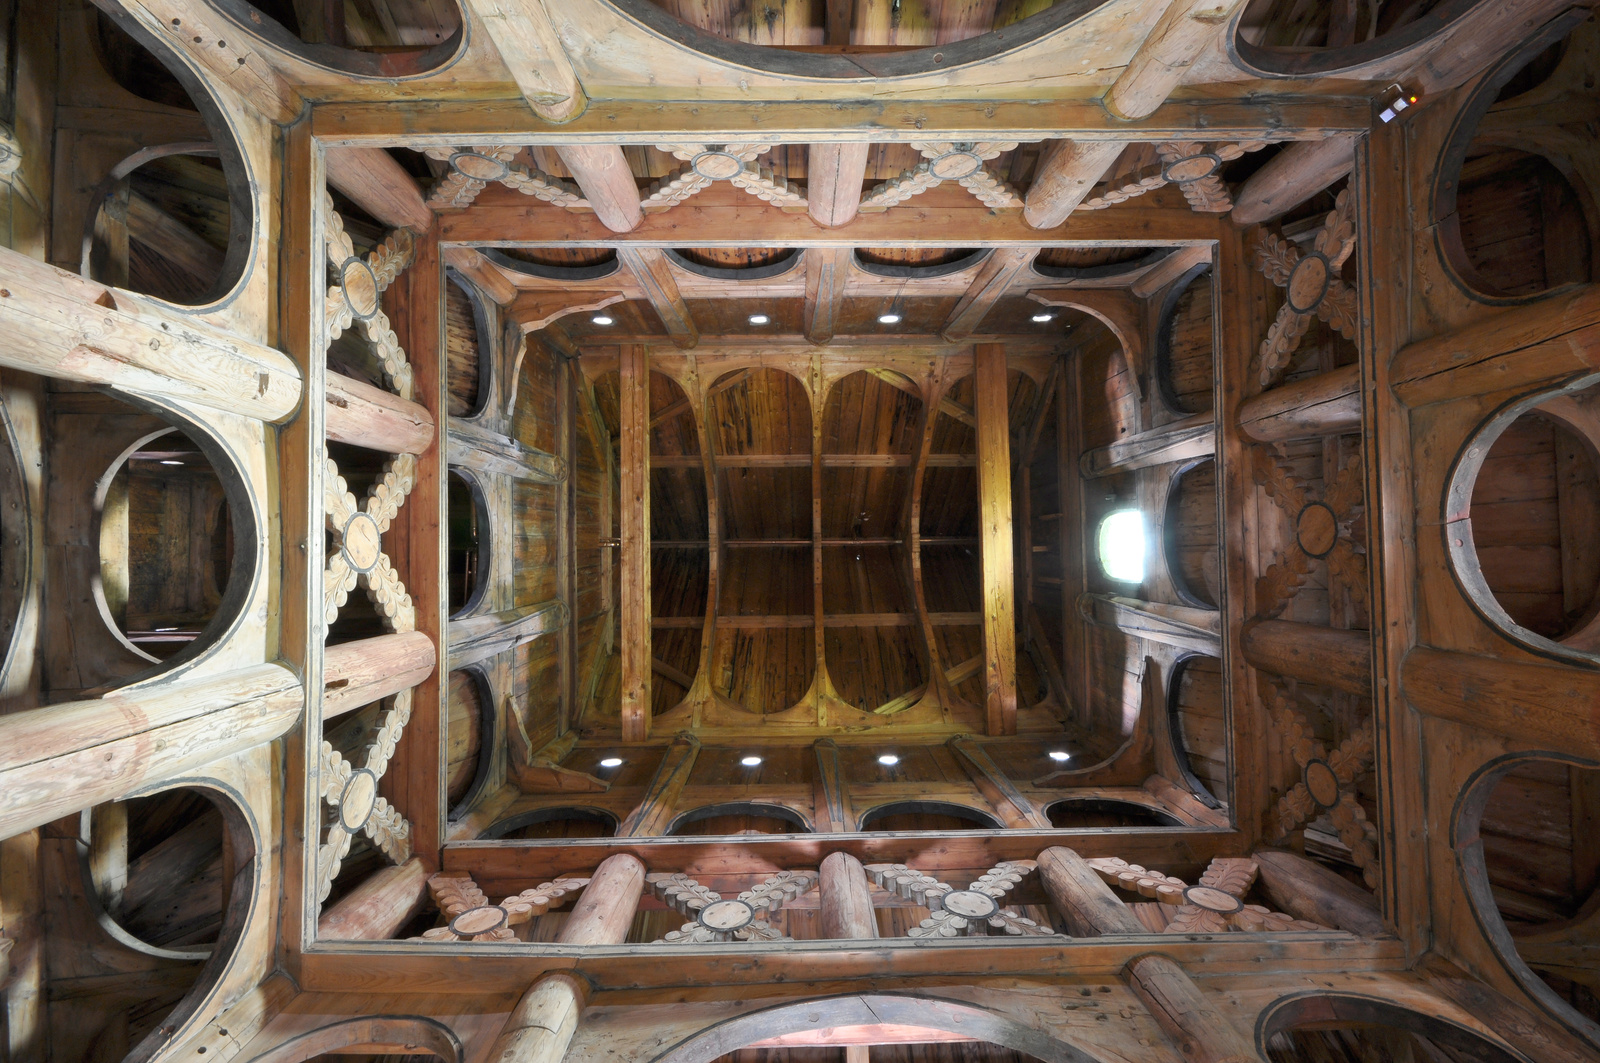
x=1326 y=656
x=1183 y=440
x=655 y=811
x=379 y=185
x=1067 y=174
x=1544 y=705
x=490 y=453
x=379 y=907
x=1326 y=404
x=994 y=523
x=1082 y=898
x=634 y=608
x=1184 y=626
x=1308 y=890
x=478 y=638
x=1291 y=177
x=834 y=173
x=846 y=898
x=366 y=670
x=371 y=417
x=1202 y=1032
x=1164 y=57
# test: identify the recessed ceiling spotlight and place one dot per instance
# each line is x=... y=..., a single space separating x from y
x=603 y=319
x=1058 y=755
x=889 y=319
x=611 y=762
x=1039 y=319
x=750 y=762
x=888 y=760
x=759 y=319
x=170 y=461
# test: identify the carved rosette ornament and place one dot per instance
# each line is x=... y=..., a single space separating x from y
x=714 y=918
x=474 y=169
x=470 y=917
x=709 y=163
x=1191 y=165
x=1311 y=287
x=1212 y=906
x=975 y=910
x=962 y=163
x=1323 y=531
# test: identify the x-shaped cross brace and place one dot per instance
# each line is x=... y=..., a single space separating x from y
x=962 y=163
x=974 y=910
x=1213 y=906
x=472 y=918
x=736 y=919
x=473 y=169
x=1311 y=287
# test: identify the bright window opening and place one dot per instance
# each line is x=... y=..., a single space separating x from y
x=1121 y=544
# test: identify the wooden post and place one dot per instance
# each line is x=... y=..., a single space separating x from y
x=1291 y=177
x=1082 y=898
x=827 y=271
x=602 y=172
x=654 y=812
x=650 y=268
x=1202 y=1032
x=994 y=514
x=635 y=551
x=993 y=280
x=834 y=813
x=1326 y=656
x=1067 y=171
x=605 y=911
x=376 y=910
x=834 y=176
x=1008 y=803
x=1326 y=404
x=846 y=898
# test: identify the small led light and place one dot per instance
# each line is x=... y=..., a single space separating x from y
x=611 y=762
x=1058 y=755
x=888 y=319
x=759 y=319
x=170 y=461
x=1039 y=319
x=750 y=762
x=888 y=760
x=603 y=319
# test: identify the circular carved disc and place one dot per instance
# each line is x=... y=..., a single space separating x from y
x=971 y=904
x=362 y=542
x=724 y=916
x=1193 y=168
x=1317 y=529
x=357 y=801
x=1308 y=283
x=478 y=167
x=955 y=166
x=476 y=921
x=716 y=165
x=360 y=287
x=1323 y=783
x=1212 y=900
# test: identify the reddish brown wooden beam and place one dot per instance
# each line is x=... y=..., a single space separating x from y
x=994 y=522
x=379 y=185
x=1321 y=655
x=367 y=416
x=361 y=672
x=1326 y=404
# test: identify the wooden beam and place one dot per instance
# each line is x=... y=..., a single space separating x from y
x=1066 y=173
x=485 y=274
x=846 y=898
x=666 y=671
x=379 y=420
x=634 y=607
x=836 y=24
x=1171 y=625
x=376 y=182
x=172 y=239
x=1322 y=655
x=526 y=39
x=1082 y=898
x=1322 y=405
x=1308 y=890
x=996 y=277
x=218 y=48
x=366 y=670
x=60 y=325
x=1202 y=1032
x=477 y=638
x=833 y=811
x=1172 y=266
x=486 y=451
x=653 y=814
x=1008 y=803
x=994 y=520
x=1178 y=38
x=1540 y=705
x=1192 y=437
x=379 y=907
x=651 y=269
x=602 y=172
x=534 y=310
x=827 y=272
x=1291 y=177
x=63 y=758
x=834 y=177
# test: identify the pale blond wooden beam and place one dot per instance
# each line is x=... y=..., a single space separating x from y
x=1326 y=404
x=477 y=638
x=361 y=672
x=1540 y=705
x=485 y=274
x=997 y=277
x=1192 y=437
x=1188 y=1016
x=64 y=758
x=994 y=519
x=834 y=813
x=651 y=269
x=172 y=239
x=1323 y=655
x=827 y=273
x=1291 y=177
x=834 y=177
x=370 y=417
x=1082 y=898
x=1179 y=36
x=379 y=907
x=602 y=172
x=634 y=607
x=377 y=183
x=199 y=32
x=1014 y=810
x=1067 y=171
x=60 y=325
x=655 y=810
x=491 y=453
x=526 y=38
x=846 y=898
x=604 y=913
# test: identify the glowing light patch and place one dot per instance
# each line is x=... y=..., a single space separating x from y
x=888 y=760
x=611 y=762
x=1121 y=545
